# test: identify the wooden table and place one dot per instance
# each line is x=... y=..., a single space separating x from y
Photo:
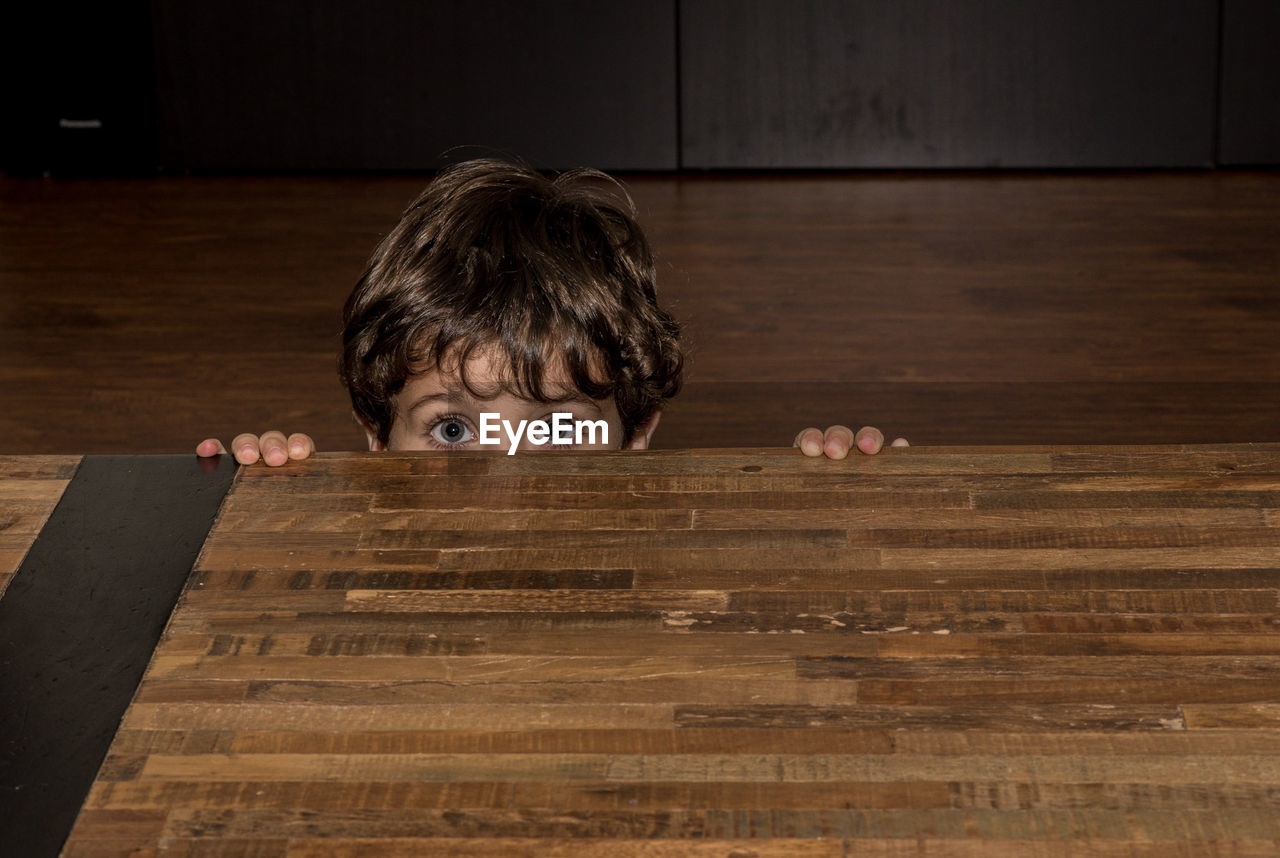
x=948 y=651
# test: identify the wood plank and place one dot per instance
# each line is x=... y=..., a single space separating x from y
x=1023 y=717
x=441 y=847
x=925 y=846
x=485 y=669
x=685 y=825
x=421 y=716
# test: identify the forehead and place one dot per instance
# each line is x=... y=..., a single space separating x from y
x=487 y=371
x=488 y=375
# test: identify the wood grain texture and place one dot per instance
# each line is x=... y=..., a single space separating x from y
x=30 y=487
x=719 y=653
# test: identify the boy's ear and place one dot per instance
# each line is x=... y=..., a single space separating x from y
x=374 y=444
x=643 y=434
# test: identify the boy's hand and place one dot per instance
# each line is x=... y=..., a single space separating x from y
x=837 y=441
x=272 y=447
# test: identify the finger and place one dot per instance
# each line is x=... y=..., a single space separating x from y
x=210 y=447
x=836 y=441
x=275 y=449
x=809 y=441
x=300 y=446
x=245 y=448
x=870 y=440
x=899 y=442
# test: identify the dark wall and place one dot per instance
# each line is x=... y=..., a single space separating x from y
x=645 y=84
x=1249 y=130
x=393 y=84
x=78 y=89
x=966 y=83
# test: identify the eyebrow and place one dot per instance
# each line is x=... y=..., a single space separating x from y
x=462 y=393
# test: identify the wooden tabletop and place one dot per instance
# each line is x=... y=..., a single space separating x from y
x=949 y=651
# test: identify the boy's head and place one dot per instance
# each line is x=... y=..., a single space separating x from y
x=501 y=285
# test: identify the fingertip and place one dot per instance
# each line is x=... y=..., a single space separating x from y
x=300 y=446
x=207 y=447
x=809 y=441
x=870 y=440
x=836 y=449
x=837 y=441
x=899 y=442
x=246 y=455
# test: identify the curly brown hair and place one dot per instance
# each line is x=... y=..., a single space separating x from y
x=494 y=254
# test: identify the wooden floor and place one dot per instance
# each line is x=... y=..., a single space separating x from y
x=991 y=653
x=973 y=308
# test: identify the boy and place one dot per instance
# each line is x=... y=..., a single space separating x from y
x=504 y=298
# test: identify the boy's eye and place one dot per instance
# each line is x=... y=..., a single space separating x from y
x=451 y=431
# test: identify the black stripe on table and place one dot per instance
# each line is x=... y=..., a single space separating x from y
x=78 y=624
